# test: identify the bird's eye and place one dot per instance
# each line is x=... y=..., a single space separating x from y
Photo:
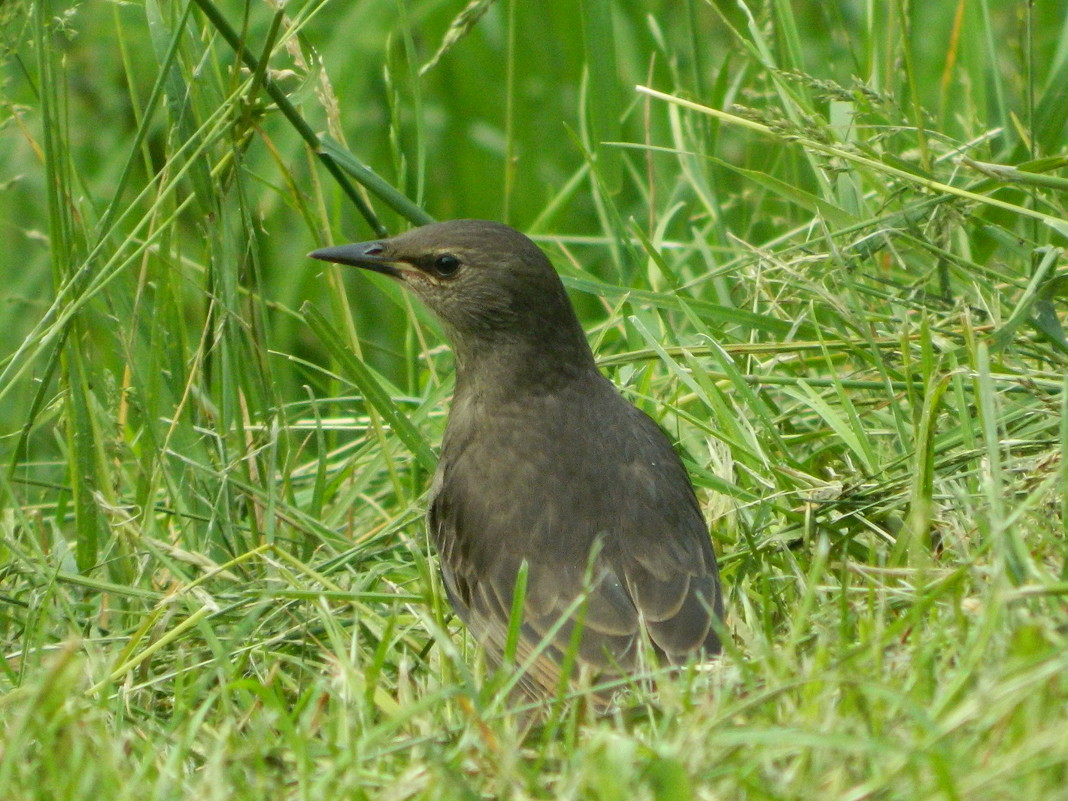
x=446 y=265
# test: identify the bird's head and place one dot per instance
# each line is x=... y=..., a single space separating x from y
x=488 y=284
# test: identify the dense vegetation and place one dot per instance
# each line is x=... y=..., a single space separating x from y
x=820 y=243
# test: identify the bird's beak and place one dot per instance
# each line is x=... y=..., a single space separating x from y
x=368 y=255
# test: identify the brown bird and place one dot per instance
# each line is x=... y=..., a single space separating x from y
x=544 y=464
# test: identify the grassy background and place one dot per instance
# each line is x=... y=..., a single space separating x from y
x=828 y=261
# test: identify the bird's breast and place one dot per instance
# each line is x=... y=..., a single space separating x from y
x=554 y=471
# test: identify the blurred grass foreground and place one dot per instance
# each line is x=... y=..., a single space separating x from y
x=822 y=244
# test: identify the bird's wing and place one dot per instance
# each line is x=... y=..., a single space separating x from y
x=664 y=555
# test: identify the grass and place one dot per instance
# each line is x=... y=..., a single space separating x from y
x=821 y=244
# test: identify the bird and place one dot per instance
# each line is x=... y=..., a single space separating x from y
x=547 y=472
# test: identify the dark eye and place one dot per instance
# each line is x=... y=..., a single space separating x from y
x=446 y=265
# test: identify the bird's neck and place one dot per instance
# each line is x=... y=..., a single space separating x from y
x=514 y=368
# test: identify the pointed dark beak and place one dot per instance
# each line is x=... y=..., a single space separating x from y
x=368 y=255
